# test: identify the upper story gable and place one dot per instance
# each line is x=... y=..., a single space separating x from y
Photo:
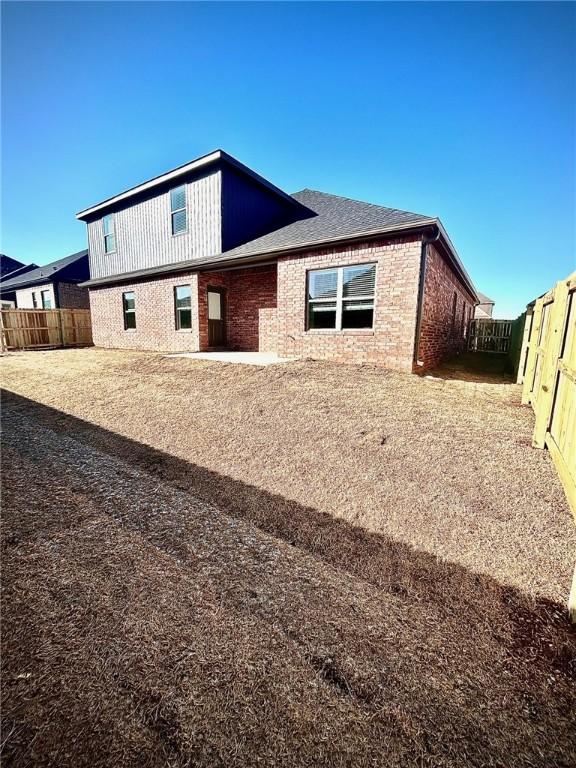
x=196 y=211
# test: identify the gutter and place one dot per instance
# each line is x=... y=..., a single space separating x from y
x=421 y=286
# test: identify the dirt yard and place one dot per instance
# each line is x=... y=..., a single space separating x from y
x=301 y=565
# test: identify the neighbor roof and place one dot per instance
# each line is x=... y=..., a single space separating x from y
x=483 y=299
x=8 y=264
x=42 y=274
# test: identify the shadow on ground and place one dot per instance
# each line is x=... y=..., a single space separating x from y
x=480 y=367
x=434 y=665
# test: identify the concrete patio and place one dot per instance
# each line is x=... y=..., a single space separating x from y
x=243 y=358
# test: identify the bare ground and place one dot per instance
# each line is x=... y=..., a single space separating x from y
x=309 y=564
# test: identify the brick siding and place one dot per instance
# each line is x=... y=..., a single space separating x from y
x=71 y=296
x=442 y=334
x=250 y=293
x=155 y=321
x=391 y=342
x=266 y=309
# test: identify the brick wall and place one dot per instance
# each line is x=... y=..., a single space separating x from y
x=268 y=330
x=266 y=309
x=251 y=293
x=71 y=296
x=155 y=322
x=391 y=343
x=442 y=333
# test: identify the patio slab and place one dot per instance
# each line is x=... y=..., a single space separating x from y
x=244 y=358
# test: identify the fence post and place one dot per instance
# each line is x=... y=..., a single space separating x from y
x=60 y=327
x=3 y=344
x=553 y=344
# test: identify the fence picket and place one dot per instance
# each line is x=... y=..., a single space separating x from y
x=550 y=387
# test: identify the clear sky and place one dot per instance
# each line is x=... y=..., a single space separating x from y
x=462 y=110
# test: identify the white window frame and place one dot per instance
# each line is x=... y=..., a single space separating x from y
x=174 y=211
x=46 y=294
x=178 y=310
x=340 y=299
x=112 y=233
x=126 y=312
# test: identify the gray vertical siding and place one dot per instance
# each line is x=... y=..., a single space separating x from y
x=251 y=209
x=143 y=231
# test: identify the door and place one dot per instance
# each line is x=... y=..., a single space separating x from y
x=216 y=317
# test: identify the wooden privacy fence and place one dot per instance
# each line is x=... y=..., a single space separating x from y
x=548 y=374
x=487 y=335
x=42 y=328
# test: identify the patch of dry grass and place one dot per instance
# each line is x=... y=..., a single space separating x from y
x=283 y=566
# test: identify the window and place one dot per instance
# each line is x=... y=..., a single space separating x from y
x=454 y=306
x=183 y=307
x=129 y=308
x=341 y=299
x=109 y=228
x=46 y=299
x=178 y=209
x=34 y=300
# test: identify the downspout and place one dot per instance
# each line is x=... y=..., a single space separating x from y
x=421 y=286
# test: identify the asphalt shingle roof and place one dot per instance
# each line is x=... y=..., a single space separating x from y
x=40 y=274
x=483 y=299
x=331 y=217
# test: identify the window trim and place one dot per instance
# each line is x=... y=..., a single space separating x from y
x=177 y=309
x=339 y=299
x=42 y=292
x=173 y=211
x=112 y=233
x=126 y=312
x=34 y=300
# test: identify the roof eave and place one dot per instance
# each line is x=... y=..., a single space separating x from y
x=201 y=162
x=456 y=262
x=199 y=265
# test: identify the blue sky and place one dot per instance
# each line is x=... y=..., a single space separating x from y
x=462 y=110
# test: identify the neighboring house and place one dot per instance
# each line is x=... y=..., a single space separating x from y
x=211 y=255
x=484 y=308
x=52 y=286
x=10 y=268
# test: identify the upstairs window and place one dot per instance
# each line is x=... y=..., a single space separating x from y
x=183 y=307
x=46 y=299
x=178 y=210
x=129 y=308
x=341 y=299
x=109 y=228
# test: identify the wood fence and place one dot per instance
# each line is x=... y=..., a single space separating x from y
x=549 y=384
x=487 y=335
x=44 y=328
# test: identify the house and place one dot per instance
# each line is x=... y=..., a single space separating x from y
x=484 y=308
x=52 y=286
x=212 y=255
x=10 y=268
